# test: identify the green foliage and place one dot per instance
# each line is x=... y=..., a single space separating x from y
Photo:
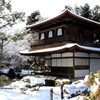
x=34 y=17
x=26 y=67
x=98 y=74
x=59 y=82
x=77 y=10
x=7 y=17
x=66 y=82
x=68 y=7
x=19 y=36
x=94 y=95
x=17 y=16
x=76 y=82
x=5 y=5
x=97 y=94
x=34 y=87
x=26 y=80
x=96 y=13
x=85 y=97
x=91 y=78
x=3 y=79
x=37 y=86
x=86 y=11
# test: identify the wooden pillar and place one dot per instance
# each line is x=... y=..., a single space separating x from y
x=89 y=62
x=74 y=63
x=35 y=64
x=51 y=94
x=62 y=91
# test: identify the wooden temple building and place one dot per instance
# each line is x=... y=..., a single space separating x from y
x=67 y=43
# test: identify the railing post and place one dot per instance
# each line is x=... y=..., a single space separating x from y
x=62 y=91
x=51 y=94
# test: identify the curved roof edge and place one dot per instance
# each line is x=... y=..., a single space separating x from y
x=62 y=13
x=68 y=46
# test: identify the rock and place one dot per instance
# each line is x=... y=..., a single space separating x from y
x=86 y=92
x=49 y=82
x=11 y=73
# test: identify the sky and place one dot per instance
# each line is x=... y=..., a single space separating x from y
x=48 y=8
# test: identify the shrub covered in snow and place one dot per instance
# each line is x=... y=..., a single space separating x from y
x=75 y=88
x=98 y=74
x=32 y=80
x=28 y=82
x=92 y=81
x=58 y=82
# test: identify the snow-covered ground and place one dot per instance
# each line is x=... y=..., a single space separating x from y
x=14 y=90
x=42 y=94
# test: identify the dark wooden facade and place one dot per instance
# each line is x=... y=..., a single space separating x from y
x=75 y=29
x=67 y=28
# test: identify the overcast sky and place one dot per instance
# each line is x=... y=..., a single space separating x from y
x=48 y=8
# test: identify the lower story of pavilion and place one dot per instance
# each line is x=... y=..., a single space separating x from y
x=70 y=60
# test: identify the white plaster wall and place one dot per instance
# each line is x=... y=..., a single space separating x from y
x=59 y=62
x=54 y=62
x=81 y=54
x=67 y=54
x=69 y=62
x=81 y=73
x=63 y=62
x=94 y=65
x=94 y=55
x=79 y=61
x=47 y=57
x=56 y=55
x=47 y=62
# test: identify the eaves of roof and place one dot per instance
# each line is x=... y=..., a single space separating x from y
x=38 y=24
x=69 y=47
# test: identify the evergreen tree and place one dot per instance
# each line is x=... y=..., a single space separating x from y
x=86 y=11
x=96 y=13
x=7 y=17
x=34 y=17
x=68 y=7
x=78 y=10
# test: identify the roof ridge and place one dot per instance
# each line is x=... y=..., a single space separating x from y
x=66 y=10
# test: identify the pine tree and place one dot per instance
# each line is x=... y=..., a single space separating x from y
x=86 y=11
x=34 y=17
x=7 y=18
x=96 y=13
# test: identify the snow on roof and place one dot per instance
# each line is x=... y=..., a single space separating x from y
x=53 y=49
x=43 y=50
x=85 y=18
x=37 y=23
